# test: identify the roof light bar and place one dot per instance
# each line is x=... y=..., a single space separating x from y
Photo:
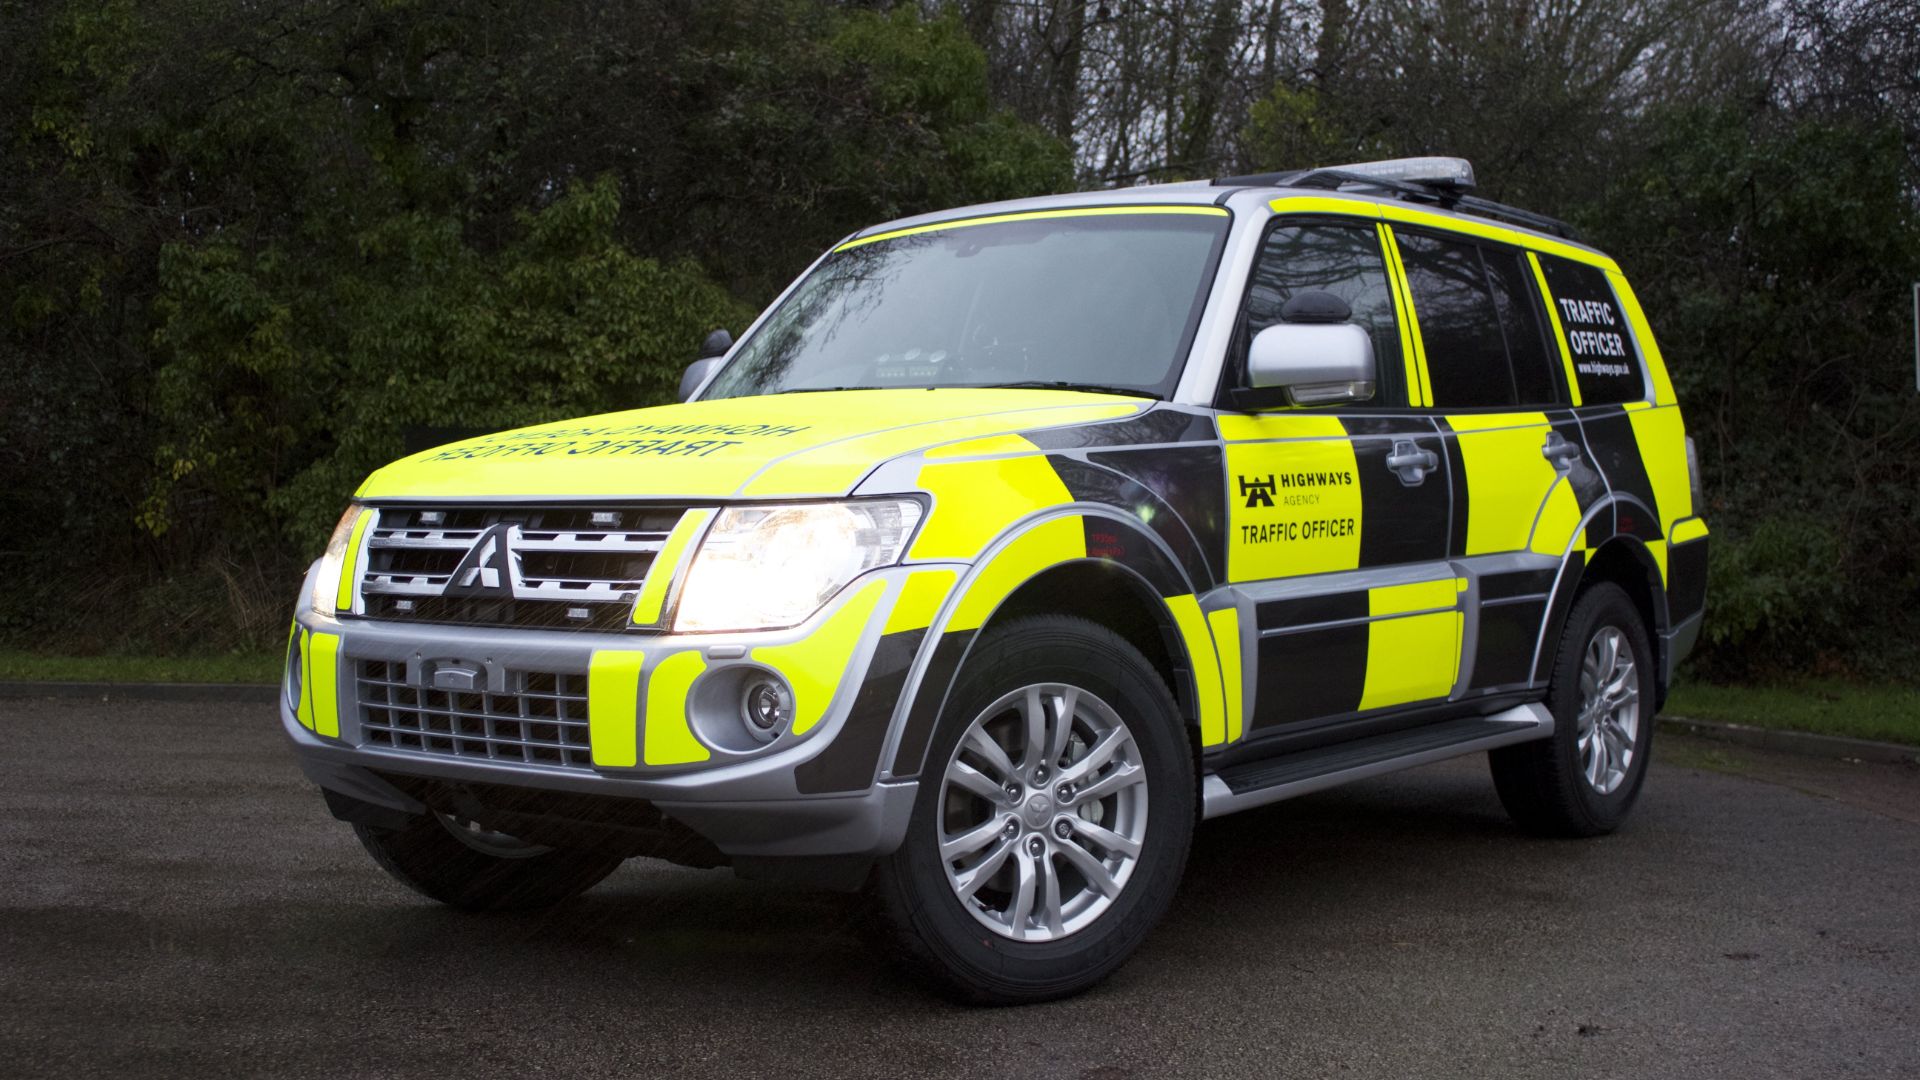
x=1449 y=172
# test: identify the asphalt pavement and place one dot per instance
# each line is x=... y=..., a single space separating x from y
x=175 y=901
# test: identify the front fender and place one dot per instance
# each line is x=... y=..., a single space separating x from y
x=1067 y=536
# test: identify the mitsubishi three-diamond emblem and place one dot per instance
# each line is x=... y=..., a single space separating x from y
x=490 y=566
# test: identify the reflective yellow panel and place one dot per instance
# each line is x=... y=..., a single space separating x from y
x=1205 y=667
x=669 y=732
x=613 y=707
x=815 y=665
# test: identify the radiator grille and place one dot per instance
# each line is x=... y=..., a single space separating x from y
x=539 y=719
x=560 y=567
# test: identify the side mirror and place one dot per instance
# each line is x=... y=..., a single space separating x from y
x=712 y=350
x=696 y=374
x=1317 y=363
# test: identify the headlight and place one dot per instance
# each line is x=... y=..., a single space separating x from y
x=326 y=584
x=768 y=567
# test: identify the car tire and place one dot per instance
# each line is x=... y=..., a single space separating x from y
x=464 y=866
x=1584 y=779
x=1097 y=865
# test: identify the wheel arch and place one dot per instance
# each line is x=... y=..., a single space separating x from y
x=1112 y=595
x=1624 y=560
x=1132 y=594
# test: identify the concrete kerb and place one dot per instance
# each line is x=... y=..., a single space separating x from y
x=1795 y=742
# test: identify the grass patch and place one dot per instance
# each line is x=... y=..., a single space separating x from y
x=219 y=668
x=1885 y=712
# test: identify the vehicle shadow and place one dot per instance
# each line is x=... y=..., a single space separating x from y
x=1317 y=868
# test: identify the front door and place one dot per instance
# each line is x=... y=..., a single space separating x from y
x=1337 y=547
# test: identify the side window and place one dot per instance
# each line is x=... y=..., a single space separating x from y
x=1528 y=350
x=1459 y=322
x=1605 y=363
x=1344 y=260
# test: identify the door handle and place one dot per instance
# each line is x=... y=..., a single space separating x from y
x=1410 y=463
x=1559 y=451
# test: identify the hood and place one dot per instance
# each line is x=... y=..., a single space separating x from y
x=782 y=445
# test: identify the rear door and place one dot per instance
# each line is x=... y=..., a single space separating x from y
x=1520 y=473
x=1338 y=516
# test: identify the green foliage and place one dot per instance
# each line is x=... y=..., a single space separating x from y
x=1774 y=252
x=286 y=381
x=1775 y=257
x=246 y=255
x=1291 y=128
x=1773 y=585
x=1887 y=712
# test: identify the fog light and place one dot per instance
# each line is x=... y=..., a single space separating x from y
x=767 y=706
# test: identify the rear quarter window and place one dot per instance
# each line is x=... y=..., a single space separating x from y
x=1606 y=365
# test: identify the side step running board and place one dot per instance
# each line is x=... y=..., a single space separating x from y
x=1257 y=783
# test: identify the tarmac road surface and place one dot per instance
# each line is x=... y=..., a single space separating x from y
x=175 y=901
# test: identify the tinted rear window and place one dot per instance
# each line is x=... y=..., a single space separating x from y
x=1522 y=326
x=1606 y=365
x=1459 y=323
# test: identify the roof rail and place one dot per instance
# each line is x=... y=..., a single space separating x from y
x=1442 y=182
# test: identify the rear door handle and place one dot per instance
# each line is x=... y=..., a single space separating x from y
x=1410 y=463
x=1559 y=451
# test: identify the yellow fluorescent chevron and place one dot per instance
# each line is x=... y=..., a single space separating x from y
x=1285 y=539
x=613 y=707
x=1490 y=231
x=815 y=664
x=1325 y=204
x=1236 y=427
x=975 y=501
x=1226 y=642
x=1689 y=530
x=793 y=444
x=1643 y=336
x=1411 y=658
x=1035 y=215
x=1507 y=477
x=669 y=736
x=349 y=572
x=323 y=676
x=1559 y=520
x=1419 y=387
x=992 y=444
x=1413 y=596
x=1049 y=543
x=1559 y=331
x=1204 y=665
x=839 y=465
x=1499 y=422
x=653 y=591
x=920 y=600
x=1663 y=449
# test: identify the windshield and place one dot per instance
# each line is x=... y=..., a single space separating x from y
x=1105 y=300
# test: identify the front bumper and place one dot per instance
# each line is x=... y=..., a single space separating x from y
x=749 y=800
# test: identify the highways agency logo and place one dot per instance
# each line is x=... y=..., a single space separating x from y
x=1259 y=490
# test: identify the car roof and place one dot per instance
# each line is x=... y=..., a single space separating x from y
x=1221 y=192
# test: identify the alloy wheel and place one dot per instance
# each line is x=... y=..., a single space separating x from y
x=1043 y=812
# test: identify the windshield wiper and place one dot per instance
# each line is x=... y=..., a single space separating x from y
x=827 y=389
x=1090 y=388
